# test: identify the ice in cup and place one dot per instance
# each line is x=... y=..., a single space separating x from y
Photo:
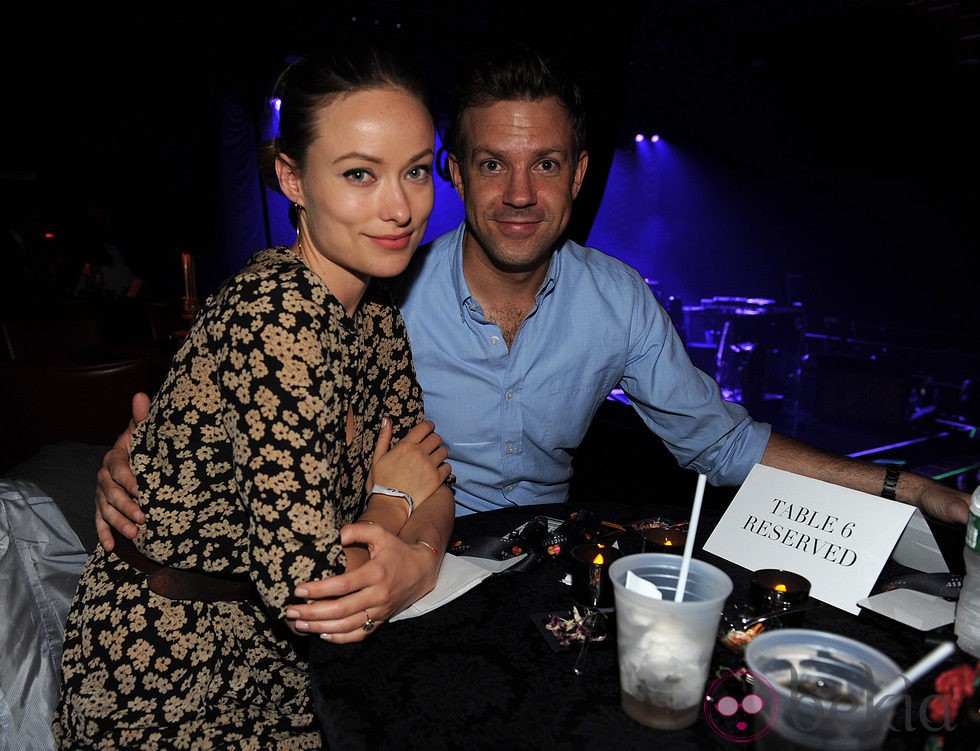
x=665 y=647
x=818 y=691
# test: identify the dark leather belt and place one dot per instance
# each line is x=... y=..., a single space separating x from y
x=182 y=584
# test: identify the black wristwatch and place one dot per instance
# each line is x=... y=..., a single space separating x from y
x=890 y=488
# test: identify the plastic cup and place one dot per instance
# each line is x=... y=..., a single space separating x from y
x=817 y=690
x=665 y=647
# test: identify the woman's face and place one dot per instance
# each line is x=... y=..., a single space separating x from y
x=367 y=184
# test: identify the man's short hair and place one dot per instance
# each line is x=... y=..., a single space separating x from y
x=515 y=72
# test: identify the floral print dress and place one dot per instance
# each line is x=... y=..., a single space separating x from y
x=243 y=467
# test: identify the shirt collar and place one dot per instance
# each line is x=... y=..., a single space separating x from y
x=463 y=294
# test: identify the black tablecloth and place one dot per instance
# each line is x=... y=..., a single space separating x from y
x=478 y=673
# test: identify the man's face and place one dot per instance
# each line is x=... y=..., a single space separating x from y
x=518 y=179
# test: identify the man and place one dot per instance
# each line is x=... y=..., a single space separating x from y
x=519 y=334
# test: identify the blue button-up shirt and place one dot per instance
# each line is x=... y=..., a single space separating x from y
x=512 y=419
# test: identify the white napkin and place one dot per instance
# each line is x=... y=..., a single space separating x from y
x=459 y=574
x=643 y=587
x=916 y=609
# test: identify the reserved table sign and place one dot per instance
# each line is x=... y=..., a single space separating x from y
x=836 y=537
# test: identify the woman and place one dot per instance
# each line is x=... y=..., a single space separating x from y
x=266 y=437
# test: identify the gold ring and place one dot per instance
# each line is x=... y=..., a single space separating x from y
x=369 y=624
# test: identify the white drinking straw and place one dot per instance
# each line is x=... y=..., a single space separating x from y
x=910 y=676
x=692 y=529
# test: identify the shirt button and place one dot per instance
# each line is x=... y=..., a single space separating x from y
x=509 y=394
x=494 y=339
x=511 y=449
x=508 y=487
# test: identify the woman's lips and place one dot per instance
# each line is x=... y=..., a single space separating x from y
x=392 y=242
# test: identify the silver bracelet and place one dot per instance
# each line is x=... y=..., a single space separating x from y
x=385 y=490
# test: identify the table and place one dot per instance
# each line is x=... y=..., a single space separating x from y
x=477 y=673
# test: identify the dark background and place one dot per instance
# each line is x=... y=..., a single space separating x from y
x=852 y=115
x=827 y=145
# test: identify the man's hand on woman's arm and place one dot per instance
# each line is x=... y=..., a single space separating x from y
x=116 y=489
x=394 y=572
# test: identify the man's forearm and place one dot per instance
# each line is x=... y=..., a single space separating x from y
x=932 y=497
x=791 y=455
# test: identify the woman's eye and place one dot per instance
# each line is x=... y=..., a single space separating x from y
x=357 y=175
x=420 y=172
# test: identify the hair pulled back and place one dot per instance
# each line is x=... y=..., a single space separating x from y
x=313 y=81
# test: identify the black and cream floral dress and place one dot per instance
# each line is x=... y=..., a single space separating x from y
x=243 y=467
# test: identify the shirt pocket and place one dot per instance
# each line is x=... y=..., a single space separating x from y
x=572 y=403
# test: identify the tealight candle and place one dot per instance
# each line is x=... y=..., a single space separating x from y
x=774 y=589
x=664 y=540
x=591 y=585
x=659 y=534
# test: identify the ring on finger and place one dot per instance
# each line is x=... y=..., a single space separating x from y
x=369 y=623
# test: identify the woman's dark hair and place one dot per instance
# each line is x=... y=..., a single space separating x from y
x=514 y=72
x=310 y=82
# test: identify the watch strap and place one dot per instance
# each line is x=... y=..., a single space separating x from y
x=385 y=490
x=890 y=487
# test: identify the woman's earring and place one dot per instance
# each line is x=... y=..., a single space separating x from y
x=294 y=212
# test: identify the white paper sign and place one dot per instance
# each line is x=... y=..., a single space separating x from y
x=836 y=537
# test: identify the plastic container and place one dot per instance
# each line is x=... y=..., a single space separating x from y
x=817 y=690
x=967 y=626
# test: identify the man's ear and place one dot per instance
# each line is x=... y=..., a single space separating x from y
x=289 y=179
x=580 y=167
x=456 y=176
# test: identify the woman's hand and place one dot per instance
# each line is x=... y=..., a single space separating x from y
x=415 y=465
x=396 y=575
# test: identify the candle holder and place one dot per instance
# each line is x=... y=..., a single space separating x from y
x=659 y=535
x=591 y=586
x=664 y=541
x=773 y=590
